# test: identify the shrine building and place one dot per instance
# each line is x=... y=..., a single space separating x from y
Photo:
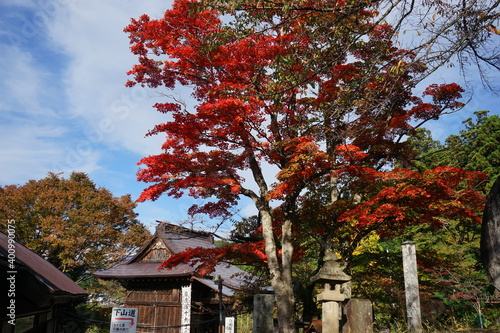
x=168 y=300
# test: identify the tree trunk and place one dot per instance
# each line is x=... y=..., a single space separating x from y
x=281 y=274
x=284 y=303
x=490 y=235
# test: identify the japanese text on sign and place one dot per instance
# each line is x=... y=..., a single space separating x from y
x=123 y=320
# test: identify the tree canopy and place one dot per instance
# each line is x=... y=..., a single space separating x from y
x=304 y=108
x=74 y=224
x=474 y=148
x=451 y=275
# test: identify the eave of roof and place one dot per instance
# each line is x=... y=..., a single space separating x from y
x=143 y=270
x=44 y=271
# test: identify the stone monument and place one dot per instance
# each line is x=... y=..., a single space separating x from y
x=263 y=309
x=359 y=315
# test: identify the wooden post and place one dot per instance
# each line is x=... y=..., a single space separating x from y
x=411 y=287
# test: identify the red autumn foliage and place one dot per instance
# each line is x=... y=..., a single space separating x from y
x=306 y=118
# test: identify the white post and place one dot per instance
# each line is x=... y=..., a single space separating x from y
x=186 y=309
x=229 y=327
x=411 y=287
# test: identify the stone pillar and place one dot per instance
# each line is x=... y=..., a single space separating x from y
x=263 y=309
x=359 y=315
x=331 y=317
x=411 y=287
x=331 y=312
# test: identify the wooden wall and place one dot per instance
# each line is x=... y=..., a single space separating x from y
x=156 y=308
x=162 y=307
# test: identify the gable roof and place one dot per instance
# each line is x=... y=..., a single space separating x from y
x=175 y=239
x=171 y=239
x=25 y=259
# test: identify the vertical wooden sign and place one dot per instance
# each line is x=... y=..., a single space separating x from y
x=186 y=309
x=229 y=325
x=411 y=287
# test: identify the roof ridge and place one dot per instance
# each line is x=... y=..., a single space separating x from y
x=164 y=228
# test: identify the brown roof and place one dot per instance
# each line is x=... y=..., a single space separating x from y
x=44 y=271
x=143 y=270
x=175 y=239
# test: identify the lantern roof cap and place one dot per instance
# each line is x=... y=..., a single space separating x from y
x=331 y=270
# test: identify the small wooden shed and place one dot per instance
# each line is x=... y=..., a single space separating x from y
x=37 y=294
x=157 y=293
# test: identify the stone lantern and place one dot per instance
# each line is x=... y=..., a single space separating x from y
x=332 y=277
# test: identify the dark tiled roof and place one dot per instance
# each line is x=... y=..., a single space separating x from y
x=176 y=239
x=40 y=268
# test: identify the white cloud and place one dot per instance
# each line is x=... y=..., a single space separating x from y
x=22 y=83
x=66 y=107
x=30 y=150
x=32 y=131
x=91 y=34
x=20 y=3
x=19 y=145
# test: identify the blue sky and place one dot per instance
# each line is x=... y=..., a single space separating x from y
x=64 y=106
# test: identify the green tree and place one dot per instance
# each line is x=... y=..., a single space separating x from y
x=475 y=148
x=451 y=273
x=74 y=224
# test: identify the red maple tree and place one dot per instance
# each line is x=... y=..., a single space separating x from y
x=315 y=101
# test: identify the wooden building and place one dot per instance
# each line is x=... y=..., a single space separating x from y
x=157 y=293
x=37 y=294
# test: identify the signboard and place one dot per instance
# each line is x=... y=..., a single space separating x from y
x=186 y=309
x=230 y=325
x=123 y=320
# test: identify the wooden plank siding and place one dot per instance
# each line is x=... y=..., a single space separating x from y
x=157 y=252
x=156 y=308
x=162 y=308
x=154 y=297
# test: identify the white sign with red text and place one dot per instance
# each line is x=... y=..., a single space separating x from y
x=123 y=320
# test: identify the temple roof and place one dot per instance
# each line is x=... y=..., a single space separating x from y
x=171 y=239
x=43 y=271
